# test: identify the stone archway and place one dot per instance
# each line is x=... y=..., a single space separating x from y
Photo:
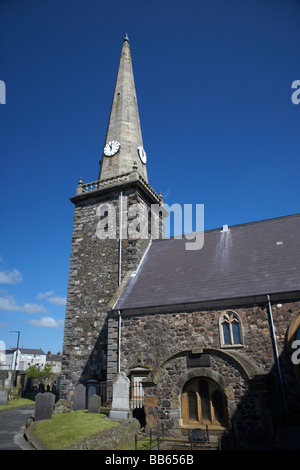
x=231 y=373
x=220 y=404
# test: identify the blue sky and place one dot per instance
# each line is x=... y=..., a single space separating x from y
x=213 y=82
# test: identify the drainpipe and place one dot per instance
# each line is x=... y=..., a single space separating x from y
x=119 y=277
x=276 y=355
x=119 y=342
x=120 y=236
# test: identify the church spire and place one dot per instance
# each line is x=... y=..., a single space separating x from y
x=123 y=148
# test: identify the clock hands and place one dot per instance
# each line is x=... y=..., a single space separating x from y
x=111 y=148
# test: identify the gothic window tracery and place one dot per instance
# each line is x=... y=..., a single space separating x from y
x=230 y=328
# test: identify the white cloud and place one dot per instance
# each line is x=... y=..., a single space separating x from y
x=57 y=300
x=53 y=299
x=47 y=322
x=10 y=277
x=11 y=305
x=33 y=308
x=44 y=295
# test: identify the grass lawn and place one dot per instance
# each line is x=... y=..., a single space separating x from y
x=25 y=401
x=66 y=429
x=142 y=444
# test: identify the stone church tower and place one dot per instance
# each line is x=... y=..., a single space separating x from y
x=206 y=337
x=111 y=232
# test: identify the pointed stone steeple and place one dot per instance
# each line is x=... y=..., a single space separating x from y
x=123 y=148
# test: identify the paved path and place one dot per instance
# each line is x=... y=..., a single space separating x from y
x=12 y=426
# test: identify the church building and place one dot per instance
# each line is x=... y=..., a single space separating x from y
x=207 y=337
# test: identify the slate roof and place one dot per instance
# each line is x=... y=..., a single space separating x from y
x=253 y=259
x=26 y=351
x=54 y=357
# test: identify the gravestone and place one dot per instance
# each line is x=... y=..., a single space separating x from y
x=92 y=387
x=3 y=375
x=28 y=385
x=44 y=406
x=94 y=404
x=3 y=397
x=198 y=436
x=79 y=397
x=120 y=402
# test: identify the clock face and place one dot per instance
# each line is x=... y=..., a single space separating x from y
x=142 y=154
x=111 y=148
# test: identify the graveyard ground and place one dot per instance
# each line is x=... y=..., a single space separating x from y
x=28 y=400
x=67 y=429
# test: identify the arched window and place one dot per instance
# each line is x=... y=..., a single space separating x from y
x=230 y=328
x=203 y=403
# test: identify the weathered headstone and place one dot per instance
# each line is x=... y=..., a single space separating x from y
x=3 y=397
x=92 y=387
x=79 y=397
x=120 y=402
x=44 y=406
x=94 y=404
x=28 y=384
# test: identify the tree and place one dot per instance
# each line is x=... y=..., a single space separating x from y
x=47 y=372
x=33 y=371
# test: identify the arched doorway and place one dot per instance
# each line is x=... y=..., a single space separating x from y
x=203 y=403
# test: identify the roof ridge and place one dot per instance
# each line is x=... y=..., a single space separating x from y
x=216 y=229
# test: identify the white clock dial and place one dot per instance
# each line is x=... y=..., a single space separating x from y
x=142 y=154
x=111 y=148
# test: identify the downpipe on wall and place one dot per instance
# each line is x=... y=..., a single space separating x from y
x=120 y=276
x=276 y=356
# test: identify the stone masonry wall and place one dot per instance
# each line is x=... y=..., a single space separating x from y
x=163 y=341
x=114 y=439
x=93 y=281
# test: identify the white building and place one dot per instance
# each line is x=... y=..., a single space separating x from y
x=22 y=358
x=55 y=361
